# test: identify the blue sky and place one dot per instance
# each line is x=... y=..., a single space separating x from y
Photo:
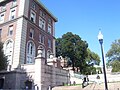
x=85 y=18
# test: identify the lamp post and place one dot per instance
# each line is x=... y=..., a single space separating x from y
x=100 y=38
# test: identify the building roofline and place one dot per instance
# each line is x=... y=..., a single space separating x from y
x=39 y=2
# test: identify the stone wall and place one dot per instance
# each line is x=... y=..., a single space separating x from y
x=52 y=76
x=38 y=74
x=13 y=79
x=55 y=76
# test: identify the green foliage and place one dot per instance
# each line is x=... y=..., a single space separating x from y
x=89 y=70
x=92 y=58
x=72 y=46
x=114 y=52
x=116 y=66
x=113 y=56
x=99 y=70
x=3 y=59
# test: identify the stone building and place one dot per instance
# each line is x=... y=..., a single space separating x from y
x=27 y=28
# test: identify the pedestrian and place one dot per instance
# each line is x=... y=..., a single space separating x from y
x=84 y=82
x=98 y=79
x=87 y=79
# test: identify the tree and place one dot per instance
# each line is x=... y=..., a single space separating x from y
x=72 y=46
x=92 y=58
x=114 y=52
x=3 y=59
x=113 y=56
x=116 y=66
x=80 y=57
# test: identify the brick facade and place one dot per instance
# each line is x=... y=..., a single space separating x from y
x=26 y=16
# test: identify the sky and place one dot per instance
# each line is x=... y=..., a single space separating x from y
x=86 y=18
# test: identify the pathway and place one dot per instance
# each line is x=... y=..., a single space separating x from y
x=93 y=86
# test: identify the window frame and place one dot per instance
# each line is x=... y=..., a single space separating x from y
x=42 y=14
x=42 y=38
x=12 y=15
x=2 y=17
x=49 y=29
x=30 y=56
x=31 y=33
x=49 y=20
x=49 y=43
x=8 y=50
x=10 y=30
x=33 y=16
x=33 y=6
x=42 y=23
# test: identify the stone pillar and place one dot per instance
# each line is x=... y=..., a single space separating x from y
x=39 y=70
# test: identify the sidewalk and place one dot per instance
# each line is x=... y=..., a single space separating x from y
x=95 y=86
x=92 y=86
x=68 y=88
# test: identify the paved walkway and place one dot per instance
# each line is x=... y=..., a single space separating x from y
x=93 y=86
x=68 y=88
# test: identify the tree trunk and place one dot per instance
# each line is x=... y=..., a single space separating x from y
x=73 y=65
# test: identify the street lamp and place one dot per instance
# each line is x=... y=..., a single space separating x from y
x=100 y=38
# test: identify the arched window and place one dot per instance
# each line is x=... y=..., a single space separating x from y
x=30 y=52
x=8 y=50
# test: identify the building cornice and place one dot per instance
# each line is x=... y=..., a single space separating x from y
x=38 y=1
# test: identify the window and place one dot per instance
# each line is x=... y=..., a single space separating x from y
x=8 y=50
x=41 y=38
x=30 y=48
x=33 y=5
x=14 y=3
x=49 y=43
x=31 y=34
x=10 y=31
x=42 y=14
x=49 y=29
x=32 y=16
x=42 y=23
x=30 y=52
x=49 y=20
x=2 y=17
x=12 y=13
